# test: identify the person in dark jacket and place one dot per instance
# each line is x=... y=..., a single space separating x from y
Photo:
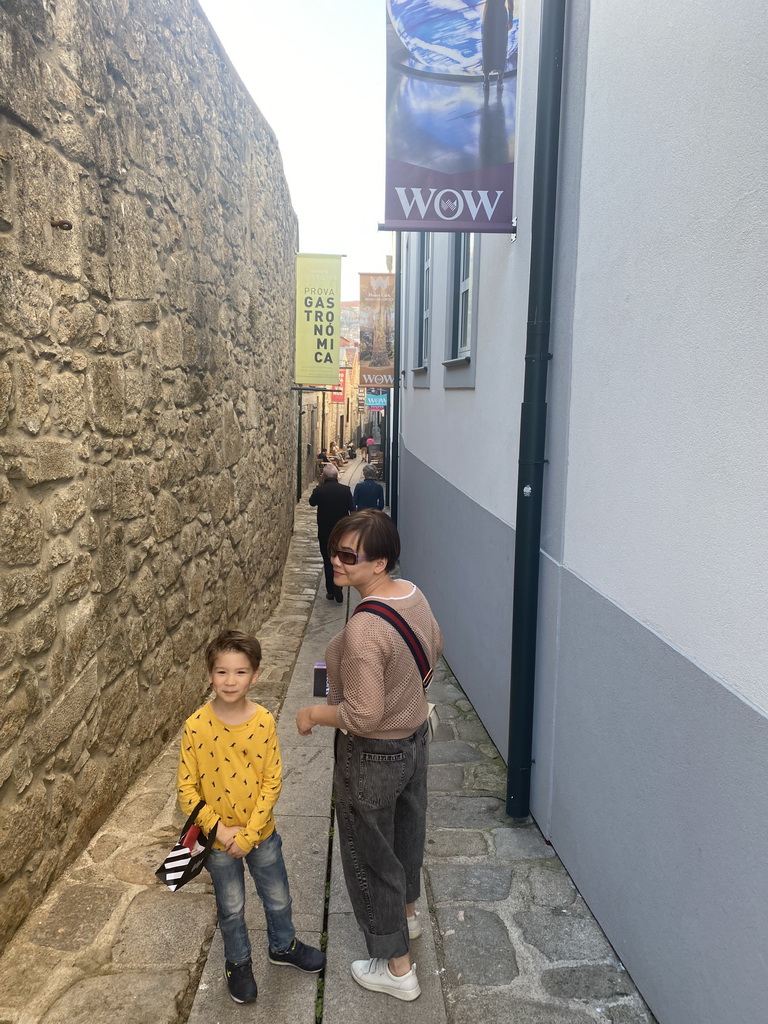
x=369 y=493
x=333 y=501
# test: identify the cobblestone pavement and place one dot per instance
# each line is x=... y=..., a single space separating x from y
x=507 y=938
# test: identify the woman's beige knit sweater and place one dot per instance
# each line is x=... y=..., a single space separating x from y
x=372 y=675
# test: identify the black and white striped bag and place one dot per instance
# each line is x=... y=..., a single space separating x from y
x=188 y=857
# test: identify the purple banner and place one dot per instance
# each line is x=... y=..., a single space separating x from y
x=451 y=105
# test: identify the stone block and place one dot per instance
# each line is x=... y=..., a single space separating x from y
x=469 y=882
x=476 y=946
x=116 y=654
x=144 y=589
x=489 y=1007
x=590 y=982
x=60 y=552
x=22 y=588
x=465 y=811
x=105 y=379
x=134 y=260
x=47 y=189
x=123 y=997
x=110 y=559
x=88 y=534
x=101 y=490
x=562 y=935
x=15 y=711
x=18 y=899
x=168 y=517
x=37 y=630
x=25 y=300
x=84 y=631
x=452 y=752
x=130 y=490
x=118 y=702
x=6 y=392
x=520 y=842
x=7 y=648
x=66 y=507
x=21 y=534
x=451 y=842
x=161 y=927
x=158 y=664
x=76 y=581
x=59 y=721
x=236 y=588
x=186 y=640
x=24 y=818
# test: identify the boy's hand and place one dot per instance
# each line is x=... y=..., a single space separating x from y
x=226 y=835
x=304 y=721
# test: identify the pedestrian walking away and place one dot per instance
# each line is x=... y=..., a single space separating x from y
x=377 y=705
x=333 y=501
x=369 y=493
x=230 y=759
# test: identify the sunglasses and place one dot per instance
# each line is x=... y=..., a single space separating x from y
x=347 y=557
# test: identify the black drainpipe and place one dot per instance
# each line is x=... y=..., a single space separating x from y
x=533 y=417
x=394 y=430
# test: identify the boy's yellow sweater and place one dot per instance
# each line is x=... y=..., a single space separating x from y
x=236 y=769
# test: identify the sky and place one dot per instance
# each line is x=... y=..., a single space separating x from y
x=317 y=73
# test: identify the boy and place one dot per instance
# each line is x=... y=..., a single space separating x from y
x=230 y=758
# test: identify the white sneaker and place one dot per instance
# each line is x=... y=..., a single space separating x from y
x=376 y=976
x=414 y=926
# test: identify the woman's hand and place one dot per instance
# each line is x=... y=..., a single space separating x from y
x=304 y=722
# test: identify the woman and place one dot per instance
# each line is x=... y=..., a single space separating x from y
x=376 y=703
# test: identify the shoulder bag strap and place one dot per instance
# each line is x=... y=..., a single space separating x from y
x=395 y=619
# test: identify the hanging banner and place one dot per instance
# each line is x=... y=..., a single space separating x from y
x=451 y=102
x=377 y=330
x=376 y=398
x=338 y=393
x=318 y=322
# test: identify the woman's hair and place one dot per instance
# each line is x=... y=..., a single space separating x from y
x=377 y=535
x=233 y=640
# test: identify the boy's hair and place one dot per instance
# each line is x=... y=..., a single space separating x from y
x=233 y=640
x=378 y=536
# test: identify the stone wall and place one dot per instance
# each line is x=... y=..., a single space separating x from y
x=147 y=429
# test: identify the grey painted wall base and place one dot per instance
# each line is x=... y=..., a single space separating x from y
x=649 y=775
x=660 y=812
x=461 y=556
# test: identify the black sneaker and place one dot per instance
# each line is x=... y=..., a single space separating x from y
x=240 y=981
x=306 y=958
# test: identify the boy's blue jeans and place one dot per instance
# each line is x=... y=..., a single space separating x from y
x=267 y=869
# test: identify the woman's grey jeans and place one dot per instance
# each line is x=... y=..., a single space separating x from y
x=380 y=788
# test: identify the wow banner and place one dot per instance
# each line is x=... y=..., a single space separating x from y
x=451 y=98
x=318 y=318
x=377 y=330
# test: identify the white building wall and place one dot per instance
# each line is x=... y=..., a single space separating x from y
x=667 y=499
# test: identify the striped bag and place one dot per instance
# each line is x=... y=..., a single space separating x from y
x=187 y=859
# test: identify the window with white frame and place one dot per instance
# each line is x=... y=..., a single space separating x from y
x=463 y=266
x=425 y=251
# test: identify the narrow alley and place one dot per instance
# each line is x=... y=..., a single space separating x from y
x=508 y=938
